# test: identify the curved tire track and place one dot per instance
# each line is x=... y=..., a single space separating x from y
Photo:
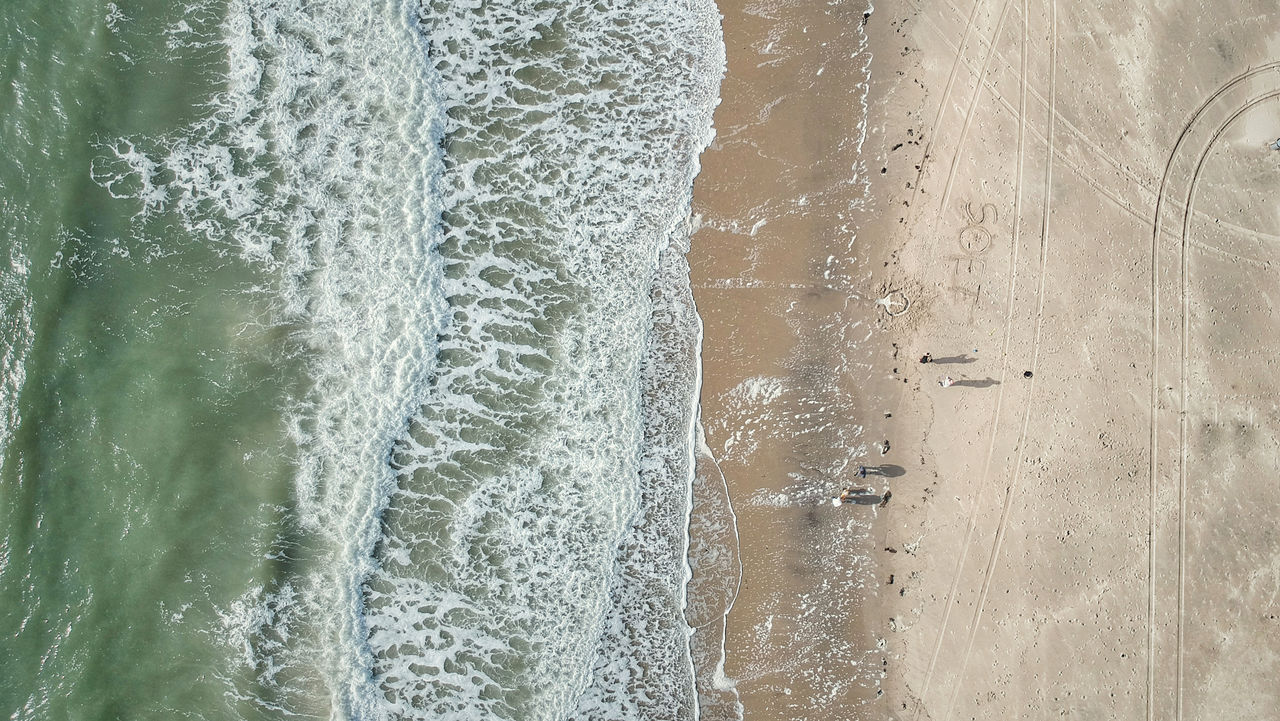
x=1142 y=184
x=1188 y=214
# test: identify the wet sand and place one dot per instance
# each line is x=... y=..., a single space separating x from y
x=1096 y=538
x=797 y=376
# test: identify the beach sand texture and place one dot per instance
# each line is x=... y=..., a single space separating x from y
x=1071 y=206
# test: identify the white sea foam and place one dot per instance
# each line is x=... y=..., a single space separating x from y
x=491 y=524
x=537 y=545
x=316 y=162
x=715 y=581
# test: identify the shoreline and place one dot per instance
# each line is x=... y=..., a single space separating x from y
x=799 y=362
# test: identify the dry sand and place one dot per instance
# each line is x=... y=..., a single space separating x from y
x=1079 y=190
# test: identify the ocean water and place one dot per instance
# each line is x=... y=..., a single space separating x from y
x=348 y=361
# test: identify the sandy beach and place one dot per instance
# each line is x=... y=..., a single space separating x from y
x=1067 y=207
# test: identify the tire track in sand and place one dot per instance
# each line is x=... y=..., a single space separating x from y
x=1012 y=489
x=1155 y=381
x=946 y=93
x=1008 y=332
x=973 y=104
x=1143 y=185
x=1188 y=214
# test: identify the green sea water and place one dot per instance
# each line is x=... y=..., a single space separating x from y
x=144 y=463
x=348 y=357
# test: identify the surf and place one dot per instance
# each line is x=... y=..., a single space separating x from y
x=473 y=218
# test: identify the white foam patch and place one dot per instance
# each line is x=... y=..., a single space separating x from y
x=766 y=498
x=715 y=581
x=494 y=504
x=114 y=16
x=643 y=668
x=761 y=410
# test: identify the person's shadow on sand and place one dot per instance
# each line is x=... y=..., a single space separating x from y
x=954 y=359
x=984 y=383
x=885 y=469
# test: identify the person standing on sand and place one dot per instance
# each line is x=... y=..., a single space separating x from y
x=945 y=381
x=926 y=358
x=849 y=493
